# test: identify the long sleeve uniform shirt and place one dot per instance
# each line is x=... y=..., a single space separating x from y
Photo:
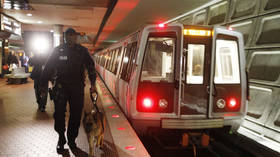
x=67 y=65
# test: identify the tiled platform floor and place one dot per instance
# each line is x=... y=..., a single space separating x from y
x=27 y=132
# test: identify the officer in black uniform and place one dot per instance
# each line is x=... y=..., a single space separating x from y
x=67 y=65
x=37 y=61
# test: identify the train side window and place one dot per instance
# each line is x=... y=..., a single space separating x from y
x=99 y=59
x=106 y=61
x=125 y=61
x=217 y=13
x=116 y=60
x=244 y=8
x=122 y=59
x=102 y=60
x=200 y=18
x=227 y=62
x=195 y=63
x=264 y=66
x=96 y=59
x=244 y=28
x=272 y=4
x=158 y=64
x=108 y=66
x=112 y=57
x=132 y=60
x=270 y=25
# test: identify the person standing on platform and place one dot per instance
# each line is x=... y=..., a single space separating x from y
x=67 y=65
x=38 y=62
x=12 y=61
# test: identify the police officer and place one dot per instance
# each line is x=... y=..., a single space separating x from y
x=67 y=65
x=37 y=61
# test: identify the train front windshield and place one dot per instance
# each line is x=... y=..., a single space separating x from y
x=158 y=63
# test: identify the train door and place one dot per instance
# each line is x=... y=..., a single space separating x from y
x=228 y=84
x=123 y=84
x=196 y=73
x=213 y=82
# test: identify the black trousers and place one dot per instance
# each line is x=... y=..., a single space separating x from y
x=74 y=95
x=41 y=99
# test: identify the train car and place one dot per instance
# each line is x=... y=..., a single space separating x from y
x=178 y=77
x=258 y=21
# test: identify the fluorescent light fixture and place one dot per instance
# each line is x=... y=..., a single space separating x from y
x=16 y=5
x=51 y=30
x=39 y=21
x=29 y=14
x=7 y=6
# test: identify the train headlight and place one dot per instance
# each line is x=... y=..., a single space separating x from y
x=221 y=103
x=163 y=103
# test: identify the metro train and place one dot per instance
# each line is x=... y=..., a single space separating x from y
x=258 y=21
x=174 y=76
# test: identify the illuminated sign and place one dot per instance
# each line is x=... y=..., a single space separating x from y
x=10 y=25
x=196 y=32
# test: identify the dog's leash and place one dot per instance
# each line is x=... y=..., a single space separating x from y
x=94 y=100
x=94 y=103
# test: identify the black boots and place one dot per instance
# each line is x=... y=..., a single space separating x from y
x=72 y=145
x=60 y=144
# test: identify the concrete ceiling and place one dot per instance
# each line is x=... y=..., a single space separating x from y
x=130 y=15
x=83 y=15
x=87 y=15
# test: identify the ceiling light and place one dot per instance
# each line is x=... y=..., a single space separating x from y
x=7 y=6
x=29 y=14
x=40 y=44
x=39 y=22
x=51 y=30
x=16 y=5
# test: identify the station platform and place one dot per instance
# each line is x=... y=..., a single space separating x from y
x=27 y=132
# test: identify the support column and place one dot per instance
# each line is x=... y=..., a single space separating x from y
x=1 y=57
x=57 y=35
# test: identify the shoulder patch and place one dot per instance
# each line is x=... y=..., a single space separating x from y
x=63 y=58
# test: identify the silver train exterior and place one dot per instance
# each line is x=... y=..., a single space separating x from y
x=258 y=21
x=177 y=77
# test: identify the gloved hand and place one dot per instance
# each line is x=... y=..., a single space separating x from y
x=43 y=92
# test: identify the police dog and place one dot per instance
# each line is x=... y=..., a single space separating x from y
x=94 y=125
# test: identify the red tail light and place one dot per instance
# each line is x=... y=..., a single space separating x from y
x=161 y=25
x=147 y=103
x=232 y=103
x=155 y=97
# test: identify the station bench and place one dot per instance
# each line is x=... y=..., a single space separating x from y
x=18 y=76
